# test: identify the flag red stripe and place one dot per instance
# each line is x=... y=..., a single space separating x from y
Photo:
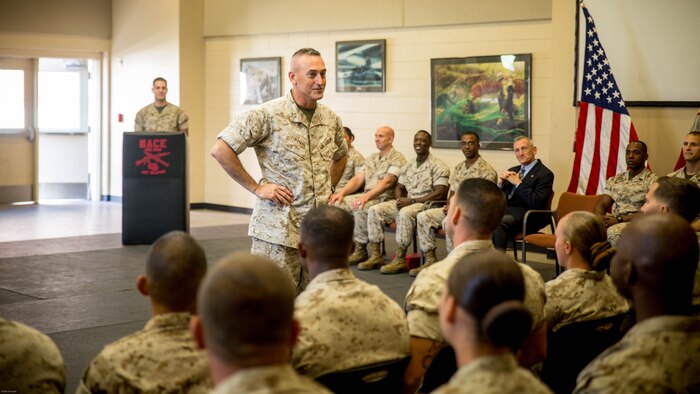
x=592 y=186
x=580 y=136
x=614 y=146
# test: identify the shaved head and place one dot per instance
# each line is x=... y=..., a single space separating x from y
x=657 y=258
x=246 y=305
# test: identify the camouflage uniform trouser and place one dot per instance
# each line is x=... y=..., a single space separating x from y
x=386 y=212
x=429 y=221
x=614 y=233
x=360 y=216
x=286 y=258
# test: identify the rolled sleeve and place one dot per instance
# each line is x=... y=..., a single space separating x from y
x=422 y=324
x=245 y=130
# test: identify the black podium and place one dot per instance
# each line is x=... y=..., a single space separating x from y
x=154 y=195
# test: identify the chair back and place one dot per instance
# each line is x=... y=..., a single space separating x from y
x=384 y=377
x=440 y=371
x=574 y=345
x=570 y=202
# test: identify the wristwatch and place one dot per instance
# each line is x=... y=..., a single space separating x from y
x=413 y=201
x=619 y=218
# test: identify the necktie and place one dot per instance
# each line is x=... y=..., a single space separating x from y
x=520 y=175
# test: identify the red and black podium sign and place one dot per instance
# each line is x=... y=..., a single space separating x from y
x=154 y=196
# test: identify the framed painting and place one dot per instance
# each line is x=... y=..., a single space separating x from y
x=360 y=66
x=489 y=95
x=260 y=80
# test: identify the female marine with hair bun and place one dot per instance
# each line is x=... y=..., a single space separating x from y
x=584 y=291
x=483 y=317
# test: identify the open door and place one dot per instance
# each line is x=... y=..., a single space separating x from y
x=17 y=131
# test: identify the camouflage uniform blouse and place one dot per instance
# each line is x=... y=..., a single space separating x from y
x=352 y=167
x=293 y=153
x=346 y=323
x=629 y=194
x=579 y=295
x=493 y=374
x=423 y=296
x=30 y=361
x=171 y=118
x=681 y=174
x=419 y=180
x=270 y=379
x=376 y=167
x=480 y=169
x=657 y=355
x=160 y=358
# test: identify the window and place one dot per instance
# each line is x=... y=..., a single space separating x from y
x=12 y=99
x=63 y=88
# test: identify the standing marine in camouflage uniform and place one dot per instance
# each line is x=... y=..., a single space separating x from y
x=162 y=357
x=474 y=212
x=423 y=179
x=379 y=176
x=584 y=291
x=161 y=115
x=338 y=330
x=295 y=140
x=355 y=160
x=246 y=321
x=660 y=353
x=30 y=361
x=489 y=289
x=626 y=190
x=473 y=166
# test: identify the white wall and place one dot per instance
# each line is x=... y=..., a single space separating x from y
x=145 y=45
x=405 y=105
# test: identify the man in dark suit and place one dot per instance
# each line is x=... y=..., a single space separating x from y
x=526 y=186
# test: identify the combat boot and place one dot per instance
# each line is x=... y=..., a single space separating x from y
x=375 y=260
x=398 y=264
x=430 y=259
x=359 y=255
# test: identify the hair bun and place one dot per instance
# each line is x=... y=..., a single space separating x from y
x=507 y=324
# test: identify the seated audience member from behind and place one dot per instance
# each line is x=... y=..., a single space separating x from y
x=161 y=115
x=626 y=191
x=475 y=211
x=679 y=196
x=654 y=266
x=30 y=361
x=345 y=322
x=378 y=175
x=584 y=291
x=355 y=160
x=526 y=186
x=162 y=357
x=422 y=179
x=473 y=166
x=483 y=317
x=246 y=324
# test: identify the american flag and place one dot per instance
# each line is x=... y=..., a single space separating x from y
x=604 y=125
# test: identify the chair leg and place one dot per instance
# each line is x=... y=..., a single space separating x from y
x=515 y=249
x=383 y=248
x=415 y=242
x=524 y=246
x=557 y=269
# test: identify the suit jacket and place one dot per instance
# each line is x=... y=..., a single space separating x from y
x=533 y=193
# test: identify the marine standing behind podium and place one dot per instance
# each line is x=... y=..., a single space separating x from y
x=161 y=115
x=301 y=150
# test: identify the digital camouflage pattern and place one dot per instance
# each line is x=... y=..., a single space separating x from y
x=423 y=296
x=171 y=118
x=657 y=355
x=432 y=219
x=377 y=167
x=680 y=173
x=629 y=194
x=291 y=153
x=578 y=295
x=493 y=374
x=161 y=358
x=346 y=323
x=30 y=361
x=352 y=166
x=419 y=180
x=286 y=258
x=273 y=379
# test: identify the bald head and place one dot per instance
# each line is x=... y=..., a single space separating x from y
x=656 y=259
x=384 y=138
x=246 y=305
x=175 y=267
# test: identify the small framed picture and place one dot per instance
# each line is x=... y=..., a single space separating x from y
x=489 y=95
x=360 y=66
x=260 y=80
